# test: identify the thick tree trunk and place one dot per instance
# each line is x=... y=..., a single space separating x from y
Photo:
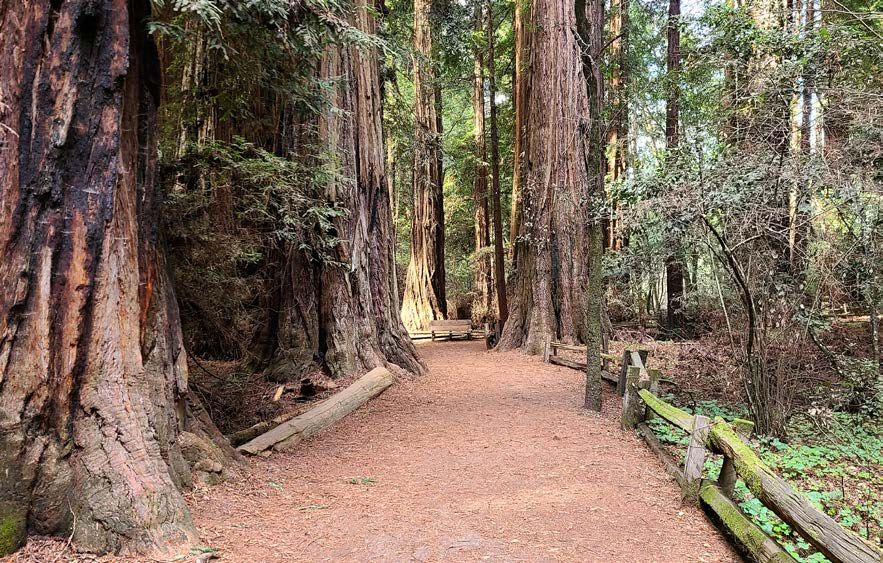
x=349 y=322
x=674 y=263
x=425 y=298
x=499 y=255
x=551 y=268
x=94 y=413
x=482 y=305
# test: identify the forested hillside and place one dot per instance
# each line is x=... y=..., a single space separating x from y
x=216 y=213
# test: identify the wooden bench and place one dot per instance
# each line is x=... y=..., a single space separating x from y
x=450 y=329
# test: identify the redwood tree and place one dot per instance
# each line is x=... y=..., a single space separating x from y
x=94 y=398
x=424 y=297
x=358 y=309
x=550 y=259
x=342 y=314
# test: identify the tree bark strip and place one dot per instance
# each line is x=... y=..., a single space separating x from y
x=551 y=274
x=93 y=376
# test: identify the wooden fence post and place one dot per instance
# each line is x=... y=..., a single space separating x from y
x=632 y=405
x=695 y=460
x=623 y=371
x=727 y=477
x=546 y=345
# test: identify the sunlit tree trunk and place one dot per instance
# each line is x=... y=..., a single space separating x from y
x=499 y=254
x=94 y=408
x=519 y=91
x=551 y=271
x=424 y=298
x=484 y=282
x=617 y=131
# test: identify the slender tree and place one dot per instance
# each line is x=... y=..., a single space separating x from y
x=618 y=126
x=94 y=383
x=674 y=264
x=590 y=34
x=484 y=280
x=425 y=299
x=499 y=256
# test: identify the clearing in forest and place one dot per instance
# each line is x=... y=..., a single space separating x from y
x=488 y=457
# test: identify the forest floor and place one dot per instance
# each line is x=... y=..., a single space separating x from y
x=490 y=456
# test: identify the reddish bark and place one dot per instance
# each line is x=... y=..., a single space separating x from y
x=93 y=377
x=551 y=268
x=424 y=298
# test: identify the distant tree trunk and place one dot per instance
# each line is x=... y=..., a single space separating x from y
x=674 y=263
x=618 y=127
x=551 y=271
x=482 y=308
x=590 y=32
x=519 y=91
x=798 y=228
x=499 y=255
x=425 y=299
x=350 y=324
x=94 y=409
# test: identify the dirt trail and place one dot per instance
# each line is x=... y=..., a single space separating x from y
x=489 y=457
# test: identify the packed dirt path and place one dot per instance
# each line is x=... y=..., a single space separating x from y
x=489 y=457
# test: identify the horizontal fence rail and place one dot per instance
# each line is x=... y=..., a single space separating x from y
x=640 y=402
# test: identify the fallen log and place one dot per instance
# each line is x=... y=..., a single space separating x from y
x=246 y=434
x=323 y=415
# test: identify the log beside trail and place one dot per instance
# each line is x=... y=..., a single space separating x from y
x=323 y=415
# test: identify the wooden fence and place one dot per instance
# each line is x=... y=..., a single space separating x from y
x=640 y=401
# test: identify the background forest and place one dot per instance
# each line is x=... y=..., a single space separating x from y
x=742 y=206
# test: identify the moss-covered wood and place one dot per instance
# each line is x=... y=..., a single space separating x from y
x=674 y=415
x=632 y=407
x=751 y=541
x=835 y=542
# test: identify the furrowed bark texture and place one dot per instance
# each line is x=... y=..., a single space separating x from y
x=344 y=317
x=424 y=299
x=551 y=270
x=674 y=263
x=93 y=379
x=359 y=324
x=618 y=127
